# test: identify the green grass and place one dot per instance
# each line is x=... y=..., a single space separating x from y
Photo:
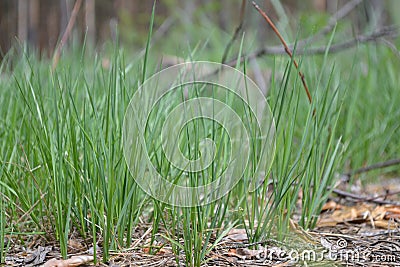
x=63 y=169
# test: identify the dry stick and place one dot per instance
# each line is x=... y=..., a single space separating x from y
x=391 y=32
x=359 y=39
x=26 y=213
x=388 y=193
x=340 y=14
x=366 y=199
x=274 y=50
x=236 y=33
x=375 y=166
x=287 y=50
x=67 y=33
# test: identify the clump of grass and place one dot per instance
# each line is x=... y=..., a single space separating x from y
x=69 y=130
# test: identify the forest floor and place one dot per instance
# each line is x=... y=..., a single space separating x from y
x=357 y=227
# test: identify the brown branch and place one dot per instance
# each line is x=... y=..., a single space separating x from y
x=286 y=47
x=335 y=48
x=375 y=166
x=67 y=33
x=379 y=165
x=340 y=14
x=236 y=33
x=277 y=50
x=366 y=199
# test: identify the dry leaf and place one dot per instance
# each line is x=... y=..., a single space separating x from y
x=237 y=235
x=377 y=216
x=159 y=252
x=75 y=244
x=392 y=212
x=386 y=224
x=331 y=205
x=326 y=222
x=71 y=262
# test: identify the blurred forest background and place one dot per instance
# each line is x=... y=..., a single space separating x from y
x=41 y=23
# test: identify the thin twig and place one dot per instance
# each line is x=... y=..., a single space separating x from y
x=374 y=166
x=335 y=48
x=67 y=33
x=363 y=199
x=379 y=165
x=300 y=44
x=286 y=47
x=139 y=240
x=385 y=195
x=29 y=211
x=340 y=14
x=384 y=232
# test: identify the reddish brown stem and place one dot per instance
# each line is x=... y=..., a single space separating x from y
x=287 y=49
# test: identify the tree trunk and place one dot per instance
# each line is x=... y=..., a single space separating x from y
x=23 y=20
x=90 y=22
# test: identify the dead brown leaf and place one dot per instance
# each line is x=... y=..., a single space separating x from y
x=75 y=244
x=377 y=216
x=331 y=205
x=237 y=235
x=71 y=262
x=386 y=224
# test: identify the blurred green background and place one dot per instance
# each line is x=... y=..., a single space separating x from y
x=41 y=23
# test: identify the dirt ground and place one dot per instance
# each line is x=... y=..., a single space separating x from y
x=359 y=226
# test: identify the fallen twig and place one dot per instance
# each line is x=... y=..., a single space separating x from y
x=346 y=176
x=367 y=199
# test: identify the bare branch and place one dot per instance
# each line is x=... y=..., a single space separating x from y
x=375 y=166
x=390 y=31
x=357 y=197
x=340 y=14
